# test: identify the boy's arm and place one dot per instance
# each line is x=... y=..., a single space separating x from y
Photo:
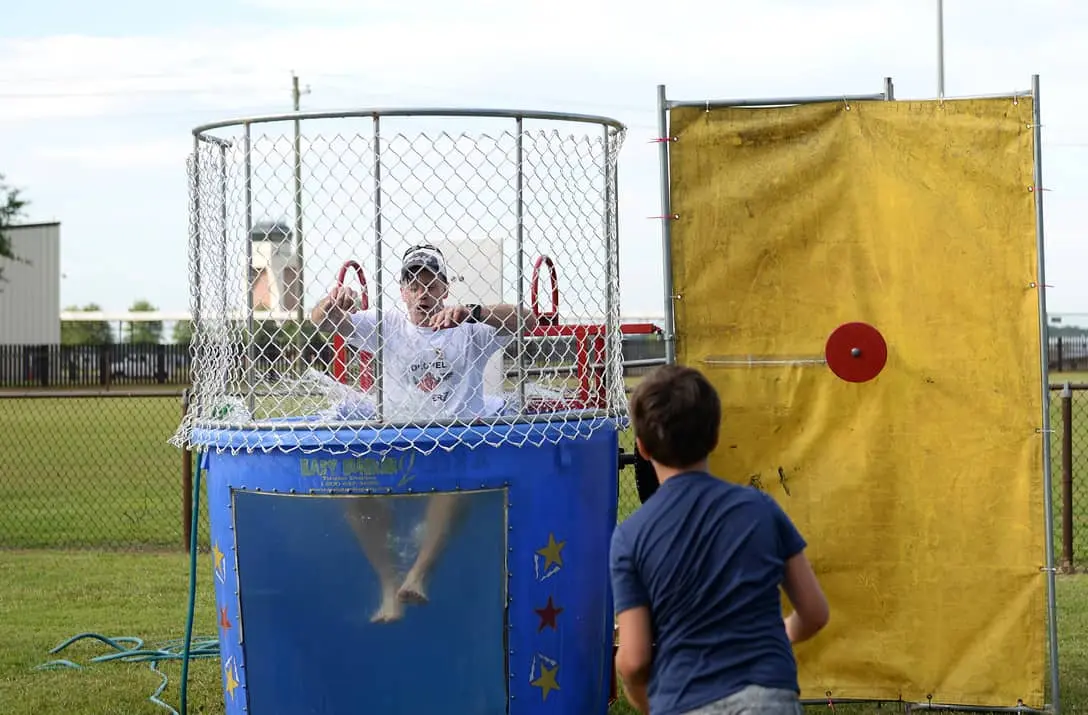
x=632 y=606
x=810 y=609
x=635 y=655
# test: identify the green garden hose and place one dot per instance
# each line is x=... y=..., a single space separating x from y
x=185 y=649
x=192 y=596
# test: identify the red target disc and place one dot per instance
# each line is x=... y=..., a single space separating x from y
x=856 y=352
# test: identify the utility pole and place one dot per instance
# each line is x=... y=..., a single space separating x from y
x=296 y=94
x=940 y=49
x=300 y=281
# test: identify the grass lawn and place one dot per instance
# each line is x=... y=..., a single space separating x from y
x=49 y=596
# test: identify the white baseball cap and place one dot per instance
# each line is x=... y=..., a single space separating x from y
x=424 y=257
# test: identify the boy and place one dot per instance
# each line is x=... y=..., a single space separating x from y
x=696 y=571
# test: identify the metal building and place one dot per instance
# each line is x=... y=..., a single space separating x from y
x=30 y=289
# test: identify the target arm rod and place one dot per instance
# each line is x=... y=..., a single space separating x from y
x=758 y=360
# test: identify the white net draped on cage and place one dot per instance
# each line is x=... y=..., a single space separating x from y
x=401 y=271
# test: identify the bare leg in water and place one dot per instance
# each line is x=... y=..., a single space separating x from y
x=442 y=512
x=370 y=520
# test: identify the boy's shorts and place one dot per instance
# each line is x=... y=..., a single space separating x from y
x=754 y=700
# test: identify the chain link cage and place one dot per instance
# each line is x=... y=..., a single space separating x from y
x=413 y=269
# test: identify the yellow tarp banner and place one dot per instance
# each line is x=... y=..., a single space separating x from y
x=919 y=492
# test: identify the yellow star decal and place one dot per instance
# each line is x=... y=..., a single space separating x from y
x=547 y=681
x=232 y=683
x=218 y=556
x=551 y=552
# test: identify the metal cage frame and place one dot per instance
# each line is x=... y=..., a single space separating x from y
x=589 y=401
x=664 y=104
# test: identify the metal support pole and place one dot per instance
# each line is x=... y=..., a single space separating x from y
x=194 y=227
x=250 y=342
x=299 y=282
x=610 y=321
x=519 y=248
x=186 y=453
x=666 y=222
x=1044 y=357
x=1067 y=478
x=186 y=482
x=940 y=49
x=379 y=288
x=224 y=271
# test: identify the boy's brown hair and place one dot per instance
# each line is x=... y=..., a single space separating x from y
x=676 y=414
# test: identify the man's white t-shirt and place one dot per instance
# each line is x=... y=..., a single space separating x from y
x=429 y=373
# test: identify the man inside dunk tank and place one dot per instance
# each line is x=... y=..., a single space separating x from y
x=434 y=360
x=434 y=356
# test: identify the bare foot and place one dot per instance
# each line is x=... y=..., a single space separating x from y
x=412 y=590
x=390 y=609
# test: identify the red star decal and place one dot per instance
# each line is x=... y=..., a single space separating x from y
x=548 y=615
x=429 y=382
x=223 y=620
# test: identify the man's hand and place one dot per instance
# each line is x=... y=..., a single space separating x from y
x=501 y=317
x=330 y=314
x=343 y=299
x=449 y=317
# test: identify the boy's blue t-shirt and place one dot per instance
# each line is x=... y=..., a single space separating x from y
x=707 y=558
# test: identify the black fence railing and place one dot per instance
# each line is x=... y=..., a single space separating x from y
x=71 y=366
x=134 y=364
x=1069 y=469
x=1069 y=353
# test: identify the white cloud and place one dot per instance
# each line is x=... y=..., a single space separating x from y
x=148 y=154
x=452 y=50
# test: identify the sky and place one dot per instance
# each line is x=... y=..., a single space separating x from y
x=99 y=99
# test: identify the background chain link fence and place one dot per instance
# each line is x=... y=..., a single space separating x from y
x=92 y=471
x=97 y=471
x=1069 y=465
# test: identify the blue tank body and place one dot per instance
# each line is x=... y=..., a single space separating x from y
x=517 y=617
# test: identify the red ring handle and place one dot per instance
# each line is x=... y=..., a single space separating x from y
x=339 y=366
x=551 y=317
x=363 y=297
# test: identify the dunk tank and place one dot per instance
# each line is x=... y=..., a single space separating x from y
x=372 y=558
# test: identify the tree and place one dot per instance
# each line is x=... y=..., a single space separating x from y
x=295 y=332
x=143 y=331
x=183 y=332
x=11 y=208
x=85 y=332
